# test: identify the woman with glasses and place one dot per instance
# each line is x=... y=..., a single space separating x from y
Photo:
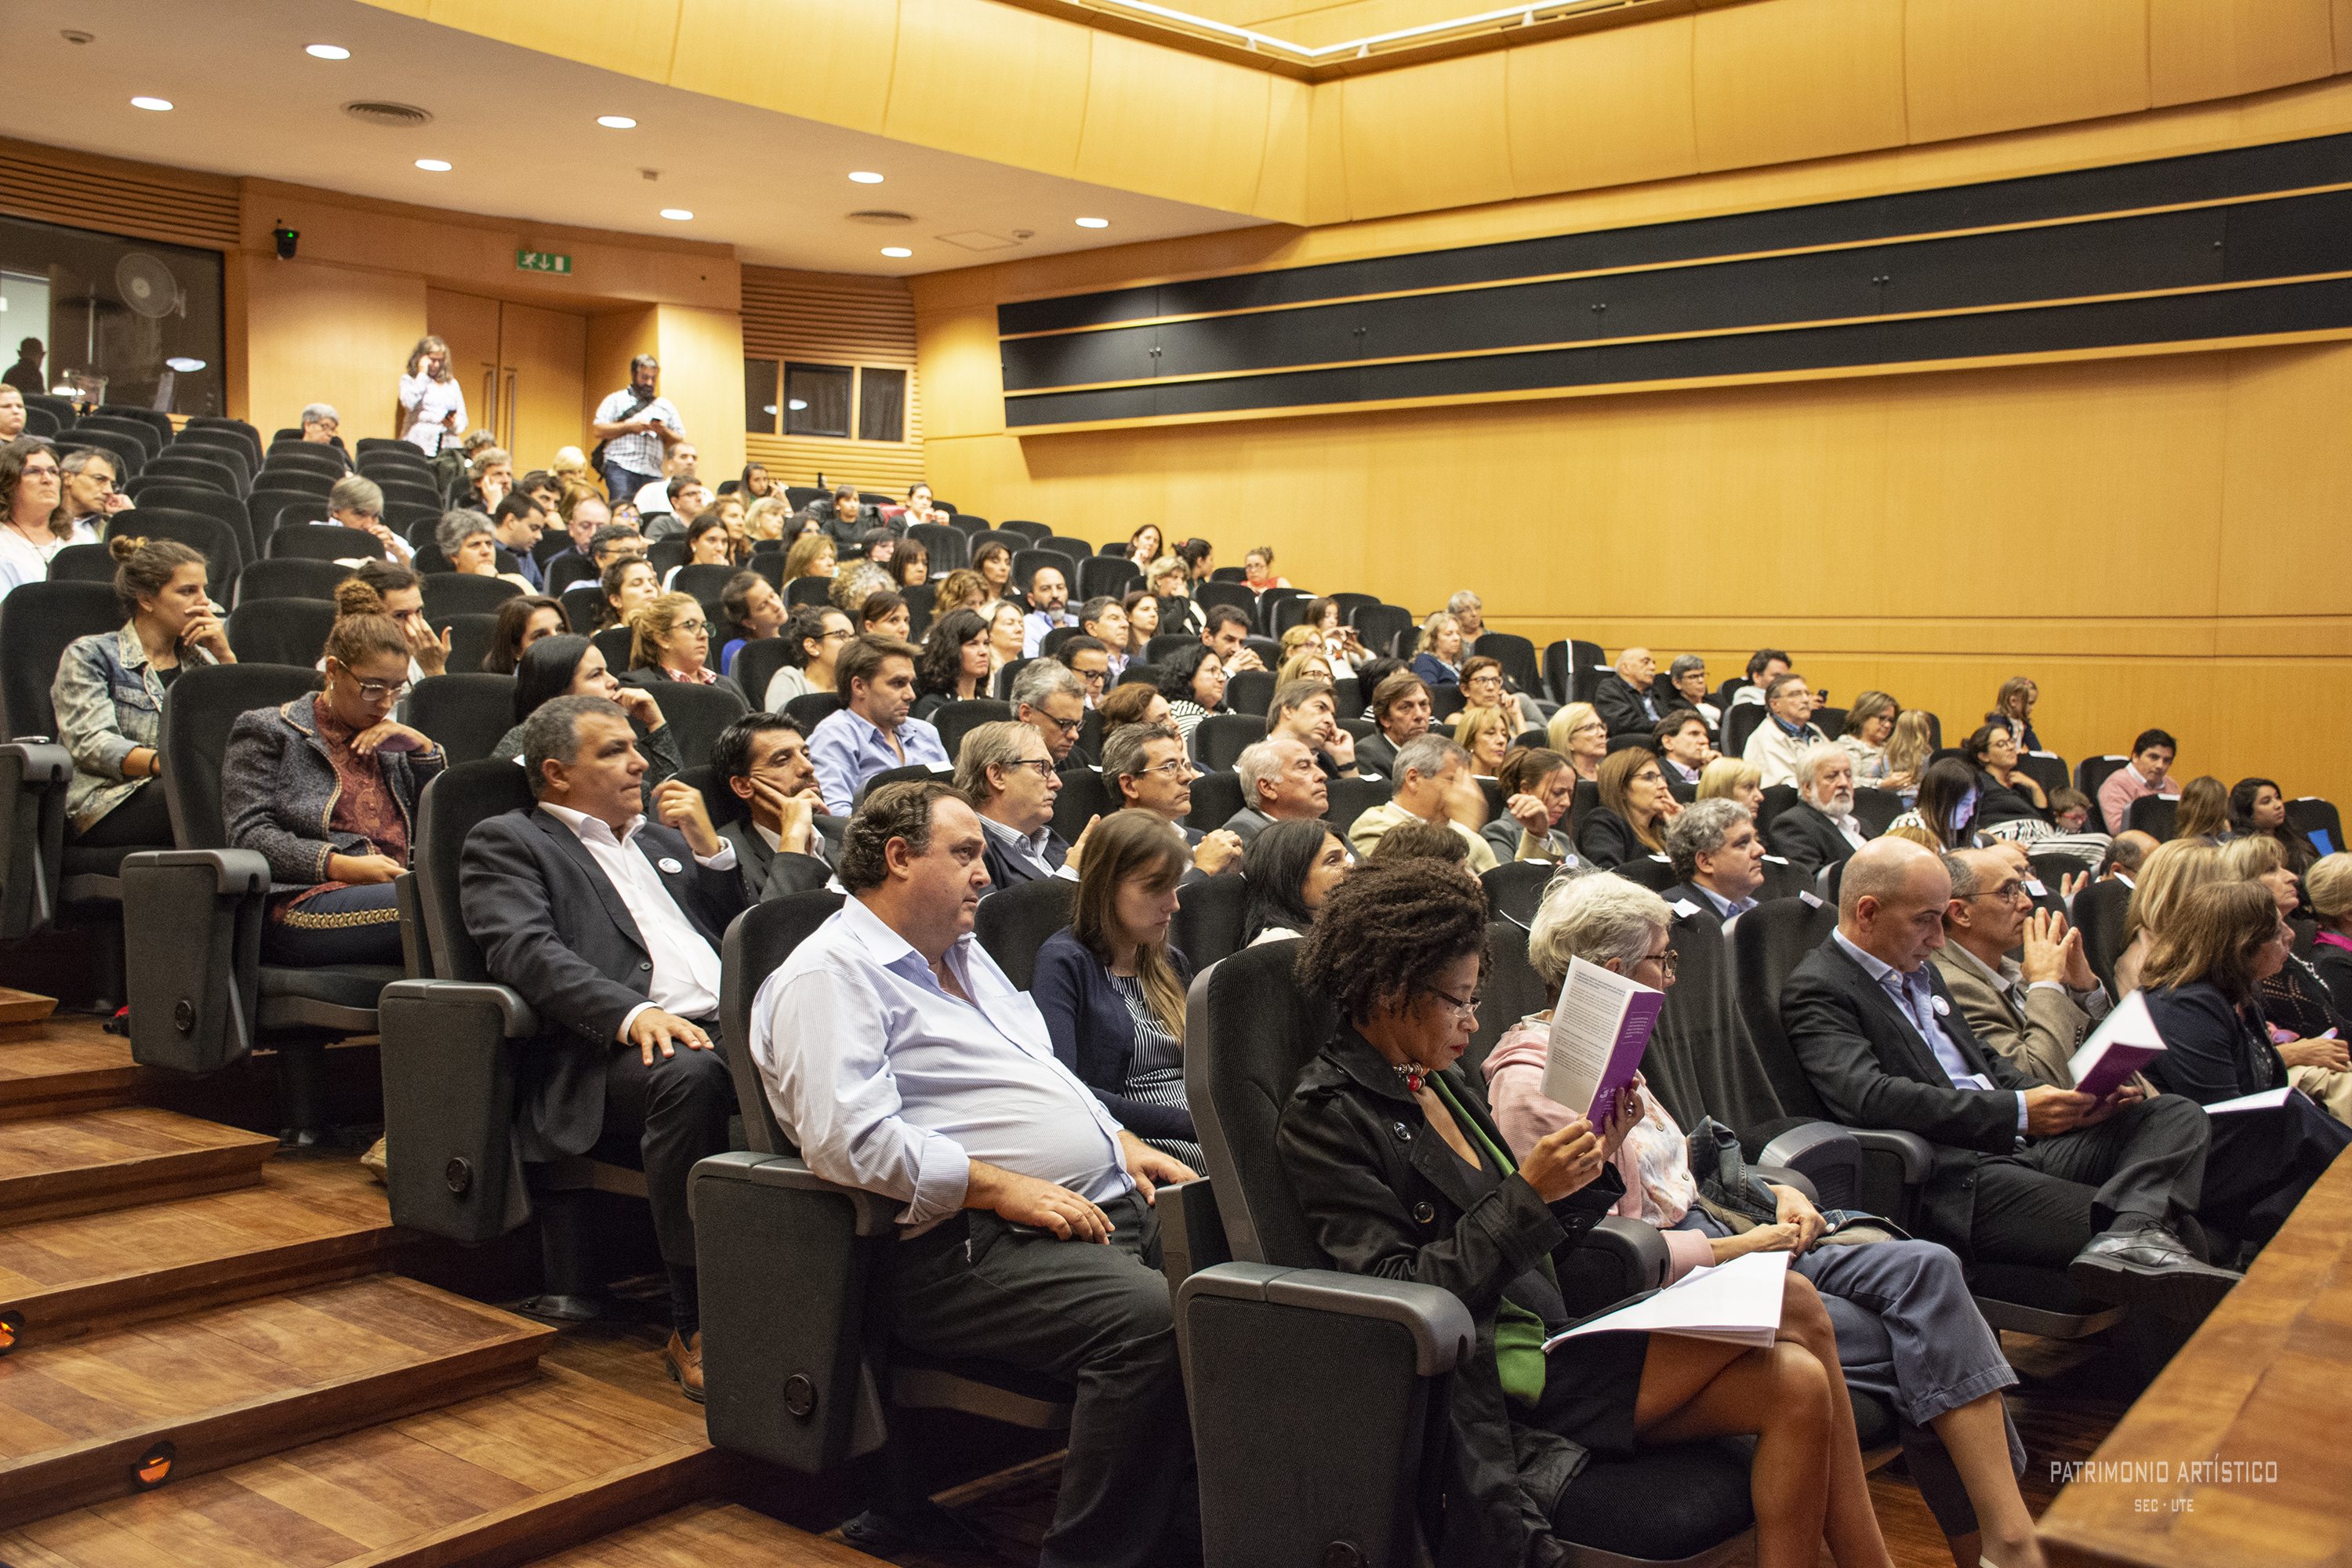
x=1401 y=1174
x=2202 y=981
x=1192 y=678
x=1923 y=1346
x=109 y=689
x=1578 y=732
x=2304 y=1023
x=1111 y=988
x=569 y=666
x=815 y=635
x=1635 y=806
x=29 y=529
x=325 y=788
x=670 y=640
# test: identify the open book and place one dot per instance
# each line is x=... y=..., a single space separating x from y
x=2125 y=1042
x=1737 y=1302
x=1599 y=1027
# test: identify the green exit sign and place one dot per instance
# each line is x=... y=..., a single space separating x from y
x=542 y=262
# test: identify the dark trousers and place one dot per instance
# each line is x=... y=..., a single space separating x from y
x=1098 y=1317
x=2042 y=1203
x=141 y=821
x=2263 y=1162
x=660 y=1120
x=623 y=484
x=355 y=924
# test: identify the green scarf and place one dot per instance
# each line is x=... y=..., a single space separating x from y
x=1518 y=1333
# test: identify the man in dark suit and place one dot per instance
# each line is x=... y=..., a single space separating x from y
x=1718 y=861
x=762 y=758
x=2024 y=1172
x=1281 y=782
x=608 y=924
x=1625 y=700
x=1005 y=771
x=1821 y=829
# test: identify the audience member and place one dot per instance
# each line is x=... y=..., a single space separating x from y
x=1340 y=644
x=2204 y=811
x=845 y=518
x=1145 y=768
x=1909 y=750
x=1134 y=702
x=91 y=492
x=1821 y=829
x=762 y=759
x=884 y=614
x=1143 y=545
x=2009 y=804
x=669 y=639
x=357 y=502
x=1469 y=612
x=568 y=665
x=2036 y=1009
x=1418 y=840
x=1787 y=728
x=1306 y=664
x=1948 y=804
x=1733 y=779
x=470 y=544
x=815 y=635
x=811 y=555
x=489 y=476
x=954 y=664
x=402 y=595
x=757 y=486
x=2070 y=814
x=1869 y=726
x=2200 y=981
x=325 y=788
x=994 y=562
x=323 y=426
x=1625 y=700
x=872 y=732
x=1429 y=770
x=1687 y=676
x=2304 y=1024
x=854 y=584
x=1112 y=989
x=754 y=612
x=1539 y=787
x=1048 y=596
x=1089 y=658
x=1192 y=678
x=2148 y=772
x=1578 y=733
x=432 y=403
x=1399 y=712
x=1004 y=770
x=1257 y=570
x=706 y=544
x=1199 y=556
x=1104 y=618
x=900 y=1060
x=1635 y=806
x=13 y=419
x=2012 y=709
x=2329 y=884
x=1291 y=869
x=1487 y=734
x=2126 y=851
x=1719 y=860
x=1225 y=632
x=1307 y=711
x=1684 y=745
x=2257 y=807
x=2024 y=1172
x=522 y=621
x=640 y=438
x=962 y=589
x=1400 y=950
x=1765 y=666
x=109 y=690
x=1006 y=636
x=2169 y=874
x=29 y=533
x=607 y=920
x=1280 y=783
x=1170 y=582
x=1439 y=662
x=1051 y=700
x=1906 y=1326
x=1142 y=612
x=517 y=528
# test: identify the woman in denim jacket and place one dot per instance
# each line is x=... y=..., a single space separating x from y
x=110 y=686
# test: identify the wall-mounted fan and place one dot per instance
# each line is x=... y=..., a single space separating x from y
x=147 y=285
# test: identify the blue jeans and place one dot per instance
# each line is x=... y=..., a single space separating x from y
x=623 y=484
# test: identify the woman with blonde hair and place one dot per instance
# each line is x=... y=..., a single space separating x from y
x=961 y=589
x=1635 y=806
x=1869 y=727
x=1578 y=733
x=669 y=639
x=1734 y=779
x=2204 y=810
x=1306 y=664
x=1487 y=734
x=767 y=517
x=1111 y=988
x=2012 y=709
x=431 y=404
x=1439 y=662
x=2171 y=869
x=1909 y=748
x=2328 y=886
x=810 y=555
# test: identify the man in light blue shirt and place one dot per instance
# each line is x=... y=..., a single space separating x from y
x=874 y=732
x=1049 y=598
x=901 y=1060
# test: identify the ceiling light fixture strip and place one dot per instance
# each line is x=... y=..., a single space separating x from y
x=1312 y=54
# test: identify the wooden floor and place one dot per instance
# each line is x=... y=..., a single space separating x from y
x=164 y=1279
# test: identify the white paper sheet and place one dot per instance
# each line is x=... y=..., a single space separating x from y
x=1737 y=1302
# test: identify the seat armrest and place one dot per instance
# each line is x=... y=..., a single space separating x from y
x=516 y=1020
x=192 y=942
x=454 y=1169
x=1192 y=1234
x=1827 y=1155
x=34 y=776
x=876 y=1216
x=1896 y=1168
x=1437 y=1321
x=1619 y=1257
x=235 y=871
x=1916 y=1154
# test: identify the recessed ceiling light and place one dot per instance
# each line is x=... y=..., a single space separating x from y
x=1094 y=222
x=900 y=251
x=157 y=104
x=327 y=52
x=616 y=122
x=677 y=215
x=434 y=165
x=866 y=176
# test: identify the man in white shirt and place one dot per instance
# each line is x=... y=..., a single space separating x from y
x=608 y=924
x=901 y=1061
x=639 y=430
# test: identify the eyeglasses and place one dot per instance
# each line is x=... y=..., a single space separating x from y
x=1461 y=1008
x=379 y=690
x=1174 y=767
x=2008 y=891
x=1066 y=726
x=1667 y=962
x=1044 y=765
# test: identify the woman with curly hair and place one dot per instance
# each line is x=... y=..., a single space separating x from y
x=1192 y=678
x=1403 y=1174
x=954 y=666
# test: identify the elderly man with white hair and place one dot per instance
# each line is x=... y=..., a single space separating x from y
x=320 y=426
x=1625 y=699
x=357 y=502
x=1821 y=829
x=1281 y=782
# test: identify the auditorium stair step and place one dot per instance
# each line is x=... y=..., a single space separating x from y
x=706 y=1535
x=43 y=1076
x=304 y=1223
x=93 y=1159
x=228 y=1383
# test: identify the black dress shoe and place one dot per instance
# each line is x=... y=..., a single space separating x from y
x=2150 y=1267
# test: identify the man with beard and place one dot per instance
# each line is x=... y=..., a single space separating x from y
x=1821 y=829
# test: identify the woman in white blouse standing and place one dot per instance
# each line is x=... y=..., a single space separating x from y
x=431 y=404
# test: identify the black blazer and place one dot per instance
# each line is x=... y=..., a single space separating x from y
x=764 y=873
x=552 y=926
x=1606 y=839
x=1620 y=706
x=1376 y=754
x=2334 y=967
x=1385 y=1196
x=2211 y=1050
x=1870 y=1068
x=1004 y=870
x=1804 y=836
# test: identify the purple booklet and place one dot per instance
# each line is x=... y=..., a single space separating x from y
x=1599 y=1027
x=2125 y=1042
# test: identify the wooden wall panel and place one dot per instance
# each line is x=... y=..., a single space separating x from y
x=2217 y=48
x=1173 y=124
x=1284 y=172
x=1438 y=127
x=702 y=372
x=1976 y=66
x=815 y=58
x=1603 y=109
x=839 y=319
x=146 y=201
x=1039 y=62
x=322 y=334
x=1796 y=79
x=2288 y=463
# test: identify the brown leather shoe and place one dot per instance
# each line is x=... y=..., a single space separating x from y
x=682 y=1360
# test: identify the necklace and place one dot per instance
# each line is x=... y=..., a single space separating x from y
x=1414 y=1074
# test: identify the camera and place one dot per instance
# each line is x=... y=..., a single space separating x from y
x=286 y=239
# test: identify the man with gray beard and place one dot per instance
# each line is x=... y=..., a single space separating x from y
x=1821 y=829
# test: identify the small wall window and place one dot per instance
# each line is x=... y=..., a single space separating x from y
x=816 y=400
x=881 y=405
x=760 y=406
x=837 y=401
